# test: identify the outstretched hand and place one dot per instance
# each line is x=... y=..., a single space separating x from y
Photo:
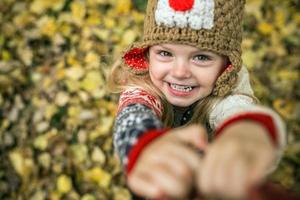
x=169 y=167
x=166 y=167
x=236 y=161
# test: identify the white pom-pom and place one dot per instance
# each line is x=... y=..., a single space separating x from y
x=201 y=16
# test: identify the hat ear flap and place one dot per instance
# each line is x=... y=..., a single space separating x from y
x=135 y=60
x=227 y=81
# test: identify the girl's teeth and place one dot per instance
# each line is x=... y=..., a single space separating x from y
x=181 y=87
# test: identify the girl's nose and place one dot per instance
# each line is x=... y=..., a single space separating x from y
x=181 y=70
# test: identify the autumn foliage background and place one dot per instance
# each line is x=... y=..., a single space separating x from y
x=56 y=114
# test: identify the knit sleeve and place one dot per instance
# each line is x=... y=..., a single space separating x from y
x=241 y=107
x=138 y=114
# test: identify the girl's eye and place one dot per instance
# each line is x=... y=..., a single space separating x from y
x=201 y=58
x=164 y=53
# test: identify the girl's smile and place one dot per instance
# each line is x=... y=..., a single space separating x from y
x=181 y=90
x=183 y=73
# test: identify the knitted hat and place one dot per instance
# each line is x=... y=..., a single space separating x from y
x=214 y=25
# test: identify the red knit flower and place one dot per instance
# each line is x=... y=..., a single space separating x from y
x=135 y=59
x=180 y=5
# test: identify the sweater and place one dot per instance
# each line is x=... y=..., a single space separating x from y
x=138 y=121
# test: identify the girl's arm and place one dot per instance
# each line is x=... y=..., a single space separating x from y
x=158 y=162
x=138 y=113
x=242 y=105
x=248 y=144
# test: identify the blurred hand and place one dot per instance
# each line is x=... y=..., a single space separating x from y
x=165 y=168
x=236 y=161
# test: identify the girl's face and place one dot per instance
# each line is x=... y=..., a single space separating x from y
x=183 y=73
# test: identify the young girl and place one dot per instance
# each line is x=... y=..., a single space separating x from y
x=187 y=116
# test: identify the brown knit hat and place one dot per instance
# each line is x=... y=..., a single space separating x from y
x=214 y=25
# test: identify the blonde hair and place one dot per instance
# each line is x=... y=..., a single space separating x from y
x=121 y=79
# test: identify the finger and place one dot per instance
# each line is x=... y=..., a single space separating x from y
x=261 y=168
x=207 y=174
x=222 y=174
x=194 y=134
x=175 y=164
x=238 y=184
x=186 y=154
x=173 y=169
x=171 y=186
x=232 y=173
x=142 y=184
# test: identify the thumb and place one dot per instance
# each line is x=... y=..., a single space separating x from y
x=195 y=135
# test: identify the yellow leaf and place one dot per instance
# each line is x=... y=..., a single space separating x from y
x=249 y=58
x=98 y=156
x=86 y=33
x=78 y=11
x=38 y=102
x=57 y=4
x=6 y=56
x=109 y=106
x=265 y=28
x=124 y=7
x=26 y=55
x=86 y=45
x=88 y=197
x=288 y=29
x=280 y=18
x=96 y=133
x=39 y=6
x=80 y=153
x=296 y=17
x=138 y=17
x=254 y=7
x=277 y=48
x=74 y=73
x=92 y=59
x=72 y=85
x=44 y=160
x=62 y=98
x=65 y=29
x=121 y=193
x=60 y=73
x=99 y=176
x=47 y=26
x=58 y=40
x=285 y=107
x=104 y=128
x=64 y=184
x=86 y=115
x=54 y=195
x=74 y=111
x=22 y=164
x=102 y=34
x=109 y=23
x=50 y=110
x=128 y=37
x=288 y=75
x=41 y=142
x=94 y=18
x=93 y=2
x=72 y=61
x=42 y=126
x=92 y=81
x=84 y=96
x=23 y=19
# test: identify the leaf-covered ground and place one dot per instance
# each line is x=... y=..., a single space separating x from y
x=56 y=114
